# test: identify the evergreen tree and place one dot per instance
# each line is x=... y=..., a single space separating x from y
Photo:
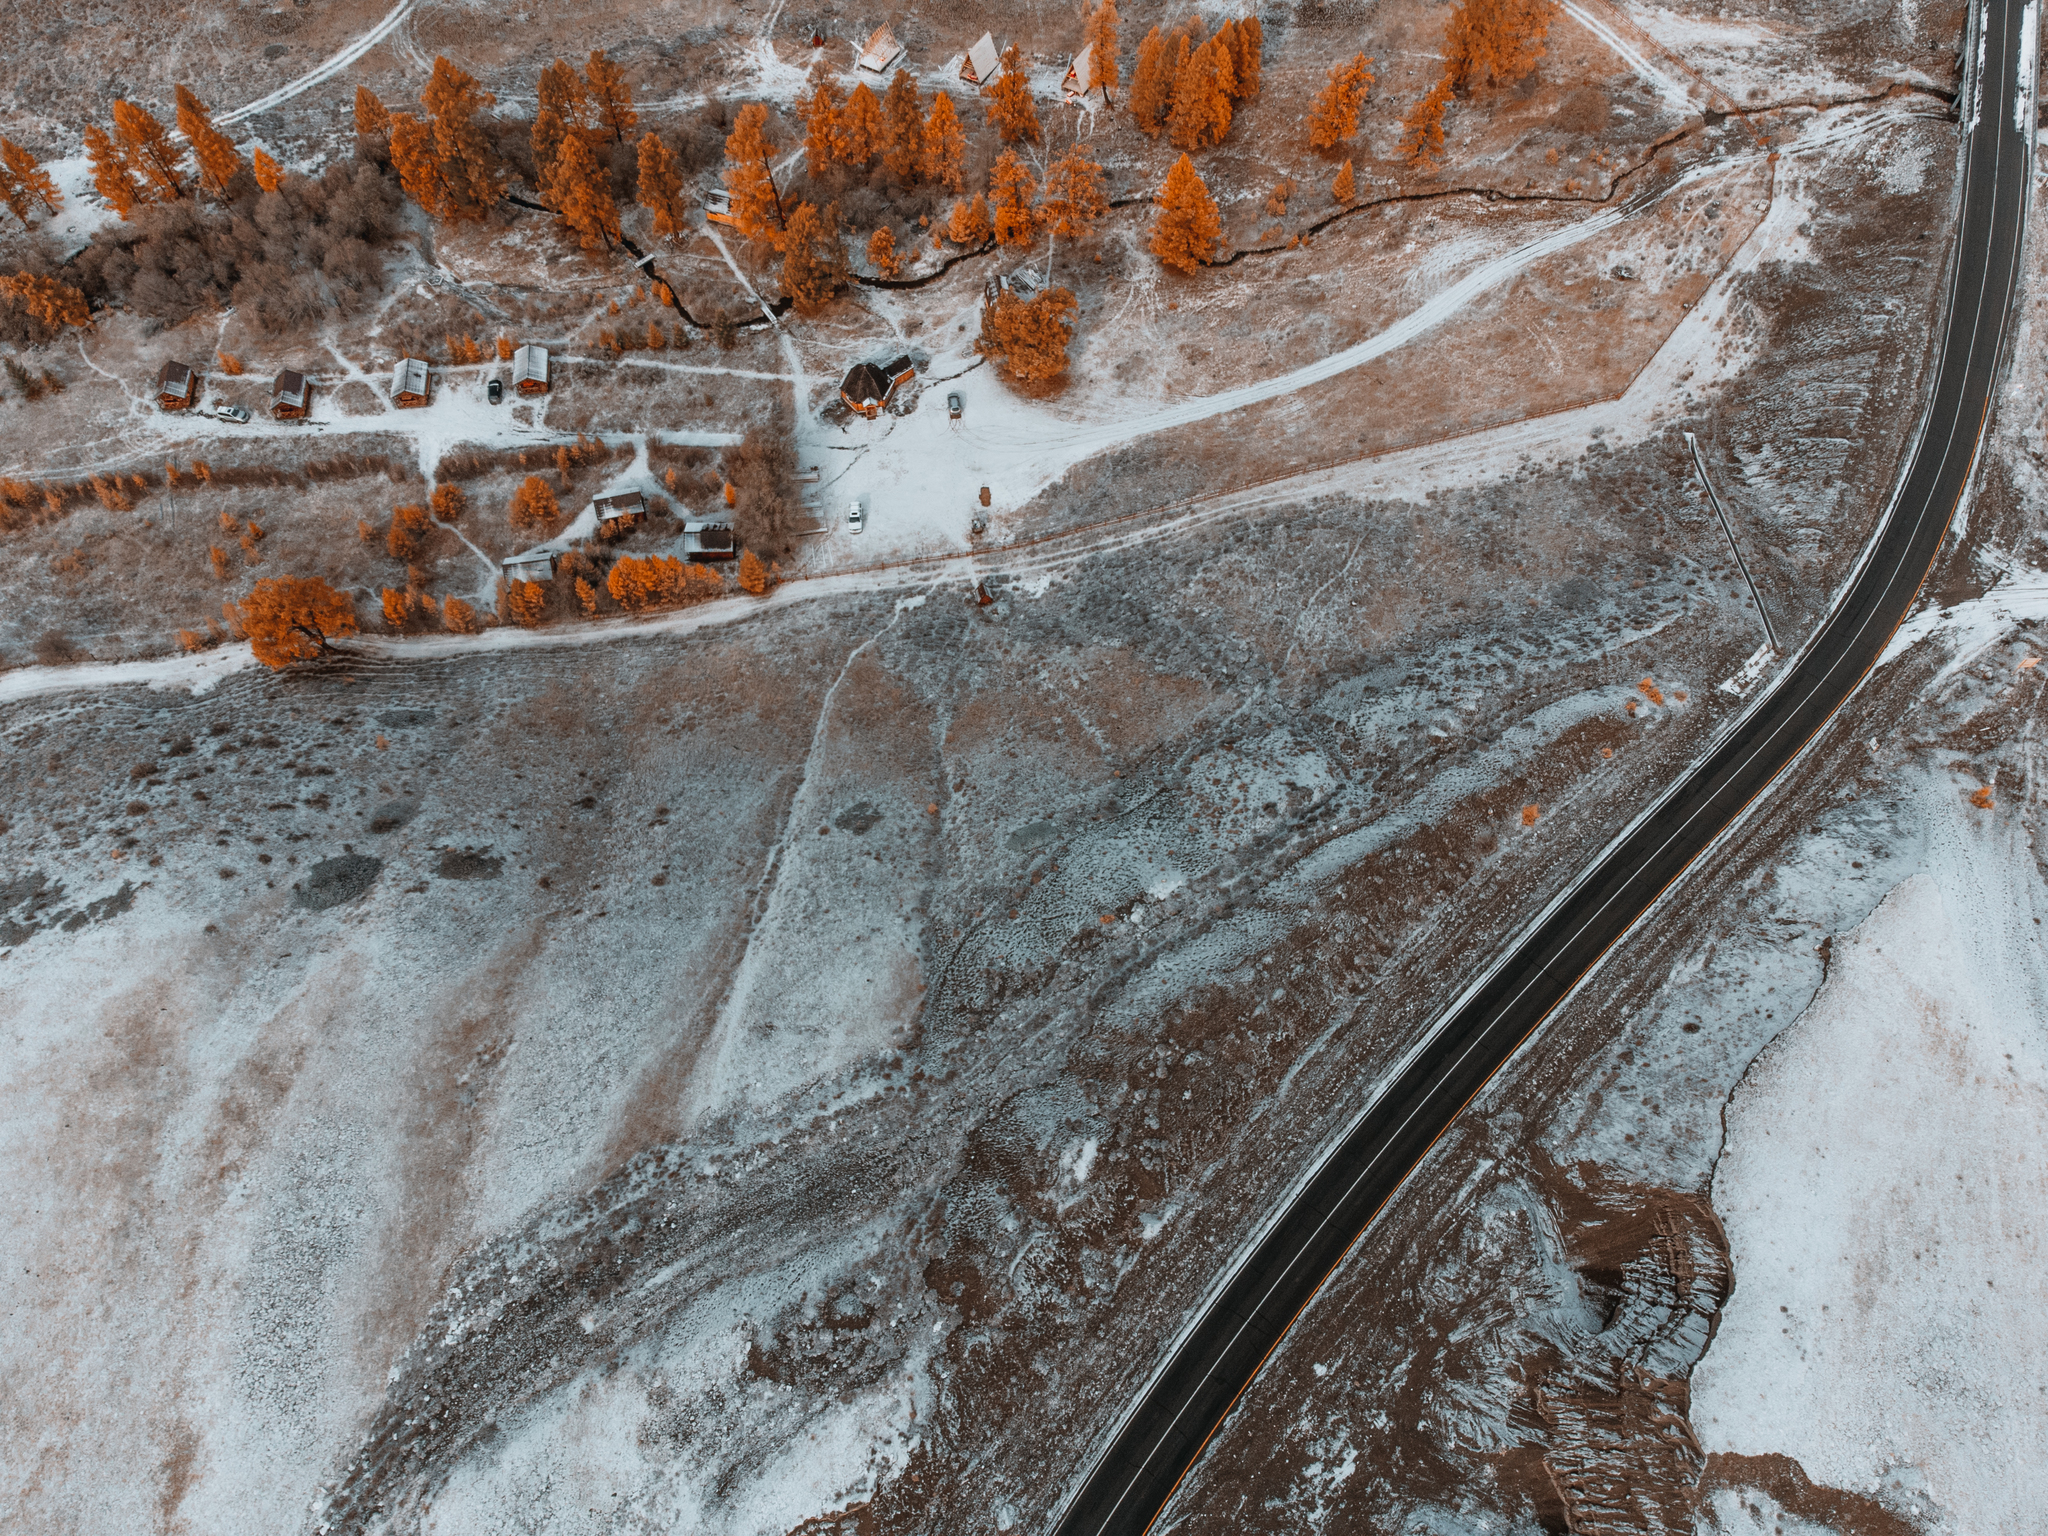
x=469 y=166
x=219 y=162
x=1247 y=44
x=882 y=252
x=902 y=129
x=1189 y=226
x=661 y=187
x=945 y=144
x=48 y=300
x=611 y=97
x=1029 y=341
x=147 y=147
x=860 y=128
x=1201 y=97
x=1009 y=102
x=111 y=177
x=1333 y=117
x=1011 y=189
x=546 y=137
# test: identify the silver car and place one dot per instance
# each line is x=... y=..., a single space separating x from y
x=856 y=519
x=231 y=413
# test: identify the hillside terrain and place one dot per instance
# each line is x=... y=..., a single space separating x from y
x=646 y=1040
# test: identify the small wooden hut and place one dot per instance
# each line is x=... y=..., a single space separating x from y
x=409 y=383
x=177 y=387
x=291 y=396
x=530 y=370
x=982 y=61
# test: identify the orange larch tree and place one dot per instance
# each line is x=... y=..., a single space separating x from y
x=882 y=252
x=611 y=97
x=146 y=146
x=546 y=137
x=50 y=301
x=902 y=129
x=219 y=161
x=969 y=223
x=1152 y=82
x=1495 y=42
x=1074 y=198
x=1099 y=32
x=1009 y=102
x=1011 y=189
x=1201 y=97
x=534 y=508
x=470 y=167
x=812 y=262
x=822 y=129
x=860 y=128
x=293 y=618
x=756 y=206
x=418 y=166
x=115 y=182
x=583 y=190
x=26 y=179
x=1029 y=341
x=1189 y=226
x=526 y=603
x=1345 y=187
x=753 y=574
x=661 y=187
x=1422 y=130
x=563 y=92
x=269 y=174
x=1247 y=46
x=372 y=116
x=1333 y=117
x=945 y=144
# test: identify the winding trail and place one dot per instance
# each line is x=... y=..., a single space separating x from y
x=324 y=71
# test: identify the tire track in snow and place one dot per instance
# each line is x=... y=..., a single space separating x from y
x=324 y=71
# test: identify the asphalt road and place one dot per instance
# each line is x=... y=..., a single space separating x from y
x=1190 y=1396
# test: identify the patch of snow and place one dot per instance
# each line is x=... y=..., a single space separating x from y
x=1974 y=626
x=1884 y=1172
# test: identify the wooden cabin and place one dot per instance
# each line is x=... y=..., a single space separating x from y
x=291 y=396
x=617 y=513
x=530 y=370
x=880 y=51
x=1081 y=75
x=177 y=387
x=718 y=208
x=708 y=541
x=409 y=382
x=982 y=62
x=868 y=387
x=532 y=565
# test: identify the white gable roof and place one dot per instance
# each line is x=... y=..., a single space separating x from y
x=1082 y=76
x=530 y=362
x=409 y=377
x=982 y=61
x=881 y=50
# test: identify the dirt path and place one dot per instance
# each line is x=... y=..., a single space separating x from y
x=324 y=71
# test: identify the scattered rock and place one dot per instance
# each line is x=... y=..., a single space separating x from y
x=470 y=864
x=858 y=818
x=338 y=880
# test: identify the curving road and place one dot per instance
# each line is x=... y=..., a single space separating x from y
x=1213 y=1362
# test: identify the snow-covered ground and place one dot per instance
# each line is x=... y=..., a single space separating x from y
x=1883 y=1186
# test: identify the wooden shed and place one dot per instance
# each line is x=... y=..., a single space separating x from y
x=880 y=50
x=177 y=387
x=531 y=565
x=708 y=541
x=982 y=61
x=530 y=370
x=291 y=396
x=619 y=511
x=409 y=383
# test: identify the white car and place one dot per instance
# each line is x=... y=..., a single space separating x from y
x=856 y=520
x=231 y=413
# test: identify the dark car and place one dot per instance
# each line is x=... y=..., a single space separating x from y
x=953 y=404
x=495 y=391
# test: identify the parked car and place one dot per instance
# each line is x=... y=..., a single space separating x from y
x=856 y=519
x=953 y=405
x=495 y=391
x=231 y=413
